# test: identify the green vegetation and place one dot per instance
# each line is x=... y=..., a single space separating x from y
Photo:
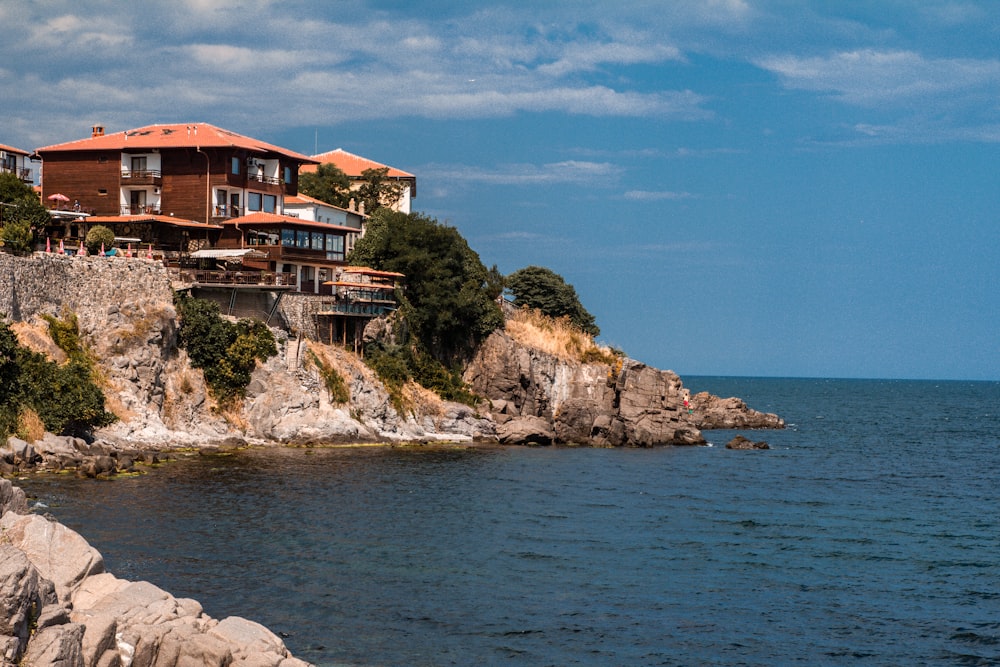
x=227 y=352
x=98 y=236
x=64 y=397
x=21 y=215
x=542 y=289
x=336 y=388
x=330 y=184
x=448 y=305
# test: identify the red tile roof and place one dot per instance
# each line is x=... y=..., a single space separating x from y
x=11 y=149
x=275 y=219
x=352 y=164
x=180 y=135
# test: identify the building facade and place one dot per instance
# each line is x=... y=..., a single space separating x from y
x=16 y=161
x=194 y=171
x=354 y=167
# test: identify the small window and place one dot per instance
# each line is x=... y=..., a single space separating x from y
x=102 y=159
x=103 y=192
x=288 y=174
x=253 y=201
x=270 y=203
x=236 y=165
x=288 y=237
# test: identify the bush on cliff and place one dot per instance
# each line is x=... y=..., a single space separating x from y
x=64 y=396
x=542 y=289
x=227 y=352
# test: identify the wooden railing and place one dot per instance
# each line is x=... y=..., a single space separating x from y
x=233 y=277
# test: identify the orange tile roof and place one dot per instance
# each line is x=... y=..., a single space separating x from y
x=352 y=164
x=11 y=149
x=165 y=219
x=275 y=219
x=180 y=135
x=368 y=271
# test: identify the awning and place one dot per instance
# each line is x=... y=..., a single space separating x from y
x=223 y=253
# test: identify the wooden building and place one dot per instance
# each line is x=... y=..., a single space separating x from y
x=193 y=171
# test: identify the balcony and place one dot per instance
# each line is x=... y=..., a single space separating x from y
x=140 y=210
x=142 y=177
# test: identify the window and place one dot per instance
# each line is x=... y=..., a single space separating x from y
x=270 y=203
x=236 y=165
x=138 y=164
x=253 y=201
x=288 y=237
x=288 y=174
x=317 y=241
x=103 y=192
x=302 y=239
x=335 y=247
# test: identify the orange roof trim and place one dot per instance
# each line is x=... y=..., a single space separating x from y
x=11 y=149
x=275 y=219
x=352 y=164
x=180 y=135
x=163 y=219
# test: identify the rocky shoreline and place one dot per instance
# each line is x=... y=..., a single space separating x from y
x=58 y=606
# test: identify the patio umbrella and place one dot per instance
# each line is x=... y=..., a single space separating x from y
x=128 y=251
x=102 y=248
x=149 y=253
x=48 y=244
x=82 y=252
x=58 y=197
x=62 y=248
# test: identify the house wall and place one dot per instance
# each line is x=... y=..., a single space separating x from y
x=90 y=177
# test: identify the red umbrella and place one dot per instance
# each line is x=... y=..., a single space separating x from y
x=62 y=248
x=48 y=244
x=58 y=197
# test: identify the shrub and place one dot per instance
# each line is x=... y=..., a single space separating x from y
x=97 y=236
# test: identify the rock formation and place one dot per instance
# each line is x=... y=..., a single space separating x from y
x=741 y=442
x=59 y=607
x=538 y=398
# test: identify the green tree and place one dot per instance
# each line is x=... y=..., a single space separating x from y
x=541 y=288
x=328 y=183
x=226 y=352
x=22 y=214
x=448 y=300
x=377 y=190
x=97 y=236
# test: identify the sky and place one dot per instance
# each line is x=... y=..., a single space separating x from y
x=733 y=187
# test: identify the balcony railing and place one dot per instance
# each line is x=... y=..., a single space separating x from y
x=140 y=210
x=233 y=277
x=142 y=176
x=224 y=211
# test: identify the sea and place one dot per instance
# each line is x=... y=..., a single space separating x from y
x=868 y=534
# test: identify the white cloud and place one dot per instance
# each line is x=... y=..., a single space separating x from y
x=660 y=195
x=869 y=77
x=567 y=172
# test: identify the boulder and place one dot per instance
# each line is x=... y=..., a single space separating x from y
x=12 y=498
x=21 y=598
x=739 y=442
x=56 y=646
x=712 y=412
x=528 y=430
x=59 y=554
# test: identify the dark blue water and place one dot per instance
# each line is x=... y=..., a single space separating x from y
x=868 y=535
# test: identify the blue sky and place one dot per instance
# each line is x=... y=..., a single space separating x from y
x=734 y=187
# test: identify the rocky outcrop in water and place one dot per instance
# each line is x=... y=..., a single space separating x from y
x=538 y=398
x=58 y=606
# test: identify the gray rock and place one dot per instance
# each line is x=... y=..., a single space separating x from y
x=740 y=442
x=56 y=646
x=528 y=430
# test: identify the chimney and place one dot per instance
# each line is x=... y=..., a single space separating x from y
x=97 y=131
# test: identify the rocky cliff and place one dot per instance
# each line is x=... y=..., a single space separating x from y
x=542 y=398
x=58 y=606
x=127 y=320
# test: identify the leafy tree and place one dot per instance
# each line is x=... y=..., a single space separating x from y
x=226 y=352
x=328 y=183
x=448 y=300
x=541 y=288
x=22 y=214
x=378 y=190
x=97 y=236
x=65 y=397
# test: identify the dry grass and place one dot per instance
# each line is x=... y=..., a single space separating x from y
x=29 y=426
x=35 y=336
x=556 y=336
